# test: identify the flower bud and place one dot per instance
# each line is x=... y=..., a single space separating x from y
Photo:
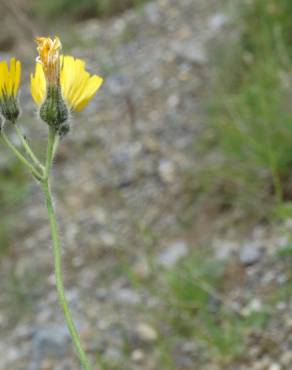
x=54 y=111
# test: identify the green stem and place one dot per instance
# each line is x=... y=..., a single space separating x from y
x=50 y=151
x=33 y=170
x=57 y=255
x=56 y=144
x=27 y=147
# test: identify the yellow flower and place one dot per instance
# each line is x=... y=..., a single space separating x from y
x=77 y=86
x=9 y=85
x=9 y=78
x=49 y=56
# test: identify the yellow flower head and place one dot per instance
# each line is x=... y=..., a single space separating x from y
x=9 y=78
x=49 y=57
x=77 y=86
x=9 y=85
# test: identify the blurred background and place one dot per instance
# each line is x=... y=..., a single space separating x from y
x=173 y=189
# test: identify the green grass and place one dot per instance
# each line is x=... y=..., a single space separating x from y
x=193 y=308
x=197 y=309
x=195 y=312
x=250 y=111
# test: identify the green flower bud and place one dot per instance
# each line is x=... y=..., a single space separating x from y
x=54 y=111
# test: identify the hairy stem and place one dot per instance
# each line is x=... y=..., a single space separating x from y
x=27 y=147
x=24 y=161
x=57 y=254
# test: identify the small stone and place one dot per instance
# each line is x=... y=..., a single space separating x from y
x=217 y=21
x=173 y=254
x=47 y=364
x=100 y=216
x=53 y=340
x=286 y=359
x=190 y=51
x=12 y=354
x=150 y=144
x=281 y=306
x=250 y=254
x=255 y=305
x=152 y=13
x=224 y=249
x=173 y=101
x=262 y=364
x=127 y=296
x=146 y=333
x=138 y=355
x=167 y=171
x=275 y=367
x=107 y=239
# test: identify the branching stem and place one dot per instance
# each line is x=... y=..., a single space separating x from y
x=17 y=153
x=27 y=148
x=43 y=178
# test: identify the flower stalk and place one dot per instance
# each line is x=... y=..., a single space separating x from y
x=57 y=250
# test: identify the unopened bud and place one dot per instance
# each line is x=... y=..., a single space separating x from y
x=54 y=110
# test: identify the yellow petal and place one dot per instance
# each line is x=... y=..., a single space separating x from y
x=92 y=86
x=10 y=77
x=78 y=87
x=38 y=84
x=15 y=68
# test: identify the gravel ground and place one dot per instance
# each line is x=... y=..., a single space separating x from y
x=119 y=192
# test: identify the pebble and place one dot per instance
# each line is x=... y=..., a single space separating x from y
x=255 y=305
x=50 y=341
x=275 y=367
x=146 y=333
x=152 y=12
x=286 y=359
x=173 y=254
x=224 y=249
x=166 y=170
x=250 y=254
x=217 y=21
x=107 y=239
x=126 y=296
x=53 y=340
x=262 y=364
x=190 y=51
x=138 y=355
